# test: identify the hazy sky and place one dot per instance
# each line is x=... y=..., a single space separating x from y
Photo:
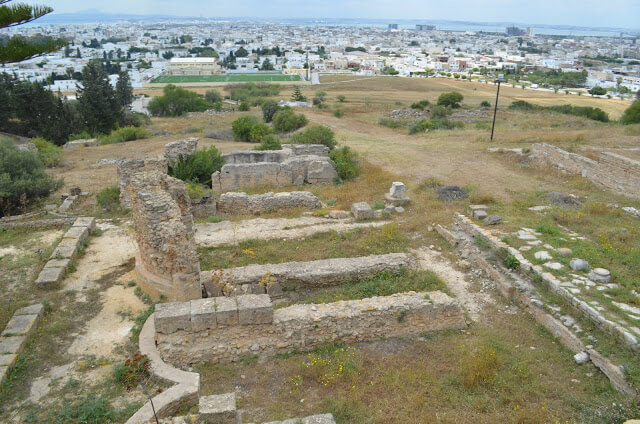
x=611 y=13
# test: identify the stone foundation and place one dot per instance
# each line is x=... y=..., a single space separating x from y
x=241 y=203
x=302 y=327
x=614 y=172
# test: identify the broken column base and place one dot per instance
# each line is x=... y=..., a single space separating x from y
x=180 y=289
x=389 y=199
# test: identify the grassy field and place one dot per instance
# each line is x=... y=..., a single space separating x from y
x=176 y=79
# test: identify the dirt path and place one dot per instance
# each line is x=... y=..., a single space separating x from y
x=457 y=281
x=227 y=232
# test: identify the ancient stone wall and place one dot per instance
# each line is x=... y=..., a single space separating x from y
x=221 y=334
x=180 y=149
x=241 y=203
x=127 y=168
x=612 y=171
x=167 y=260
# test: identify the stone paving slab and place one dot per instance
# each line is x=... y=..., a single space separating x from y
x=219 y=409
x=8 y=360
x=85 y=221
x=50 y=276
x=65 y=249
x=36 y=309
x=20 y=325
x=11 y=344
x=79 y=233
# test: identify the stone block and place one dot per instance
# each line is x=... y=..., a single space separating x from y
x=564 y=251
x=581 y=358
x=7 y=360
x=65 y=249
x=173 y=316
x=255 y=309
x=49 y=276
x=395 y=201
x=57 y=263
x=79 y=233
x=478 y=211
x=36 y=309
x=226 y=311
x=218 y=409
x=493 y=219
x=579 y=264
x=66 y=204
x=203 y=314
x=20 y=325
x=3 y=373
x=180 y=149
x=362 y=211
x=85 y=221
x=398 y=190
x=11 y=344
x=600 y=275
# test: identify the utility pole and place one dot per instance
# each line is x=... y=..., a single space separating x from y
x=495 y=109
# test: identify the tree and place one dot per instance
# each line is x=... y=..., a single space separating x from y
x=177 y=101
x=101 y=108
x=242 y=127
x=297 y=95
x=78 y=54
x=317 y=134
x=451 y=99
x=124 y=90
x=266 y=65
x=18 y=48
x=285 y=120
x=269 y=108
x=598 y=91
x=241 y=52
x=212 y=96
x=168 y=54
x=632 y=114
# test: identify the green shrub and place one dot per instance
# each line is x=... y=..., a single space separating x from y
x=23 y=179
x=196 y=191
x=177 y=101
x=109 y=198
x=438 y=112
x=422 y=126
x=259 y=132
x=270 y=142
x=451 y=99
x=242 y=127
x=124 y=134
x=269 y=108
x=49 y=153
x=632 y=114
x=249 y=92
x=485 y=103
x=199 y=167
x=421 y=105
x=390 y=122
x=347 y=163
x=90 y=409
x=338 y=113
x=595 y=114
x=316 y=134
x=341 y=98
x=285 y=120
x=244 y=107
x=84 y=135
x=212 y=96
x=510 y=262
x=135 y=119
x=426 y=125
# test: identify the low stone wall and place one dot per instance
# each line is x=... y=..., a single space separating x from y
x=325 y=272
x=298 y=327
x=55 y=269
x=241 y=203
x=612 y=171
x=15 y=334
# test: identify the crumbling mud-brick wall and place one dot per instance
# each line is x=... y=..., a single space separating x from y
x=614 y=172
x=167 y=260
x=127 y=168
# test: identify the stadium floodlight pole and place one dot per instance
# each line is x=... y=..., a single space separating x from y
x=495 y=109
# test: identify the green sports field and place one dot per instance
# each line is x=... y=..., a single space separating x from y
x=175 y=79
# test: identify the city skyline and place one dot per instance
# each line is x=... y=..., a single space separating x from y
x=617 y=13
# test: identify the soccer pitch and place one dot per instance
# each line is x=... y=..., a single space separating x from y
x=176 y=79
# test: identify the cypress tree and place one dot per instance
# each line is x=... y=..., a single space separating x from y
x=124 y=90
x=18 y=48
x=99 y=103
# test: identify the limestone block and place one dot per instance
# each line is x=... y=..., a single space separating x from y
x=79 y=233
x=35 y=309
x=3 y=373
x=362 y=211
x=543 y=255
x=564 y=251
x=226 y=311
x=255 y=309
x=12 y=344
x=203 y=314
x=478 y=211
x=600 y=275
x=581 y=358
x=57 y=263
x=218 y=409
x=579 y=264
x=20 y=325
x=180 y=149
x=321 y=172
x=173 y=316
x=66 y=204
x=7 y=360
x=49 y=277
x=85 y=221
x=493 y=219
x=398 y=190
x=65 y=249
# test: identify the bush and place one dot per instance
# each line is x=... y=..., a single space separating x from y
x=598 y=91
x=135 y=119
x=317 y=134
x=49 y=153
x=485 y=103
x=390 y=122
x=269 y=108
x=259 y=132
x=285 y=120
x=212 y=96
x=242 y=127
x=451 y=99
x=427 y=125
x=199 y=167
x=23 y=179
x=270 y=142
x=249 y=92
x=177 y=101
x=90 y=409
x=341 y=98
x=438 y=112
x=420 y=105
x=124 y=134
x=424 y=125
x=632 y=114
x=595 y=114
x=109 y=198
x=244 y=107
x=338 y=113
x=347 y=163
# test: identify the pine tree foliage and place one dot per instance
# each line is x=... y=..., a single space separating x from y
x=98 y=100
x=18 y=48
